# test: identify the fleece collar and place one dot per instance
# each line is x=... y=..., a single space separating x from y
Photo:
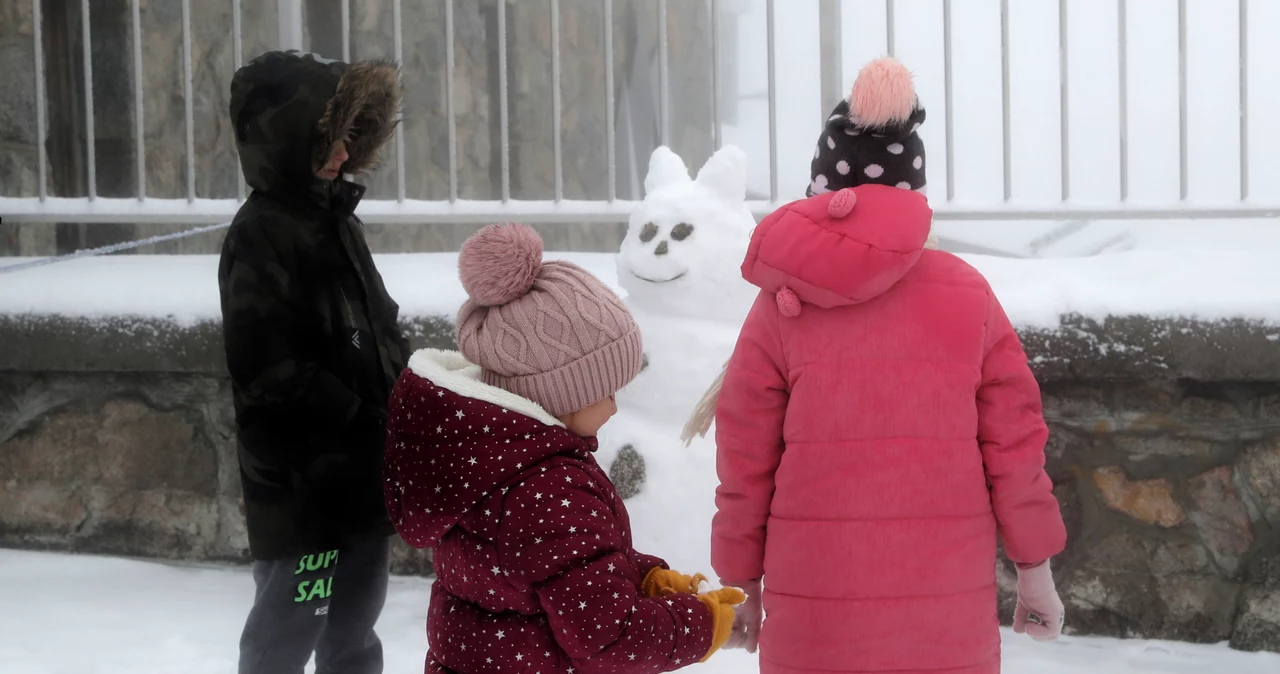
x=450 y=370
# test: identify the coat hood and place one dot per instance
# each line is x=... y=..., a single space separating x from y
x=289 y=109
x=453 y=440
x=839 y=248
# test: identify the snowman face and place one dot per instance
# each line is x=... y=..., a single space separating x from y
x=686 y=240
x=660 y=255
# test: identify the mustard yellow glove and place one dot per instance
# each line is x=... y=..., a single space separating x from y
x=661 y=582
x=720 y=604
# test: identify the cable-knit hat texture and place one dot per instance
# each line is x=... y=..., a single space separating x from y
x=548 y=331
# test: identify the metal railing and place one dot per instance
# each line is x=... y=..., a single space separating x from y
x=195 y=210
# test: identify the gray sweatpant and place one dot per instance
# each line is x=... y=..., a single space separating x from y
x=326 y=603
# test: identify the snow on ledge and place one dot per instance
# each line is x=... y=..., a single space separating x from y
x=1200 y=285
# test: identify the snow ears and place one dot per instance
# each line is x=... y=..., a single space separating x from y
x=724 y=174
x=666 y=168
x=883 y=94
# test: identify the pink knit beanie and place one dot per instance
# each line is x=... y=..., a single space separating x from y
x=548 y=331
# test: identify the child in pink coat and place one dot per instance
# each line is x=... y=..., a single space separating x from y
x=878 y=425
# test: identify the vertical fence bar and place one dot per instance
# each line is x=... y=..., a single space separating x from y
x=1005 y=116
x=346 y=30
x=948 y=97
x=770 y=19
x=503 y=112
x=1064 y=99
x=1244 y=100
x=1123 y=56
x=187 y=103
x=90 y=143
x=716 y=135
x=556 y=103
x=610 y=124
x=139 y=105
x=889 y=29
x=664 y=75
x=1183 y=182
x=830 y=47
x=238 y=58
x=450 y=112
x=42 y=158
x=289 y=23
x=399 y=56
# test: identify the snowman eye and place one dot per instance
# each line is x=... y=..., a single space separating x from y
x=650 y=230
x=681 y=231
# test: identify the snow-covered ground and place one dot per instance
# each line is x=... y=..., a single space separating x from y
x=1198 y=283
x=64 y=614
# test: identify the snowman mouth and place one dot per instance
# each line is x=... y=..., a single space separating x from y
x=669 y=280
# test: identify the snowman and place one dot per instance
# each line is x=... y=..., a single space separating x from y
x=680 y=265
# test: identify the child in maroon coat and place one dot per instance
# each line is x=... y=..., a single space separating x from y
x=491 y=465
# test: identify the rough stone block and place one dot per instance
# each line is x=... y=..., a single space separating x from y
x=18 y=104
x=1220 y=517
x=19 y=177
x=1261 y=470
x=1149 y=501
x=410 y=561
x=1197 y=608
x=1257 y=627
x=627 y=472
x=1133 y=587
x=122 y=445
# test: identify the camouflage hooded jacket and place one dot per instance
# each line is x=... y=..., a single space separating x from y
x=312 y=342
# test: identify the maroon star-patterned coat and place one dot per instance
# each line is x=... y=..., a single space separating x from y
x=532 y=542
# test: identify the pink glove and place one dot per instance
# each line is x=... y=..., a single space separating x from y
x=1037 y=597
x=748 y=617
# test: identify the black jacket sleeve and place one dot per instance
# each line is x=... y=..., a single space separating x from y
x=264 y=340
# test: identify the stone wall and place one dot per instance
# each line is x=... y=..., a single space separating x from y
x=476 y=86
x=116 y=437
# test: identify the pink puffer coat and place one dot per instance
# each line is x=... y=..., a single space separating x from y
x=878 y=426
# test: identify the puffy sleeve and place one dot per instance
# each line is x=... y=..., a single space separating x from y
x=562 y=541
x=1012 y=436
x=749 y=421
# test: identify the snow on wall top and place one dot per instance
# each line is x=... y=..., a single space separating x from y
x=1204 y=285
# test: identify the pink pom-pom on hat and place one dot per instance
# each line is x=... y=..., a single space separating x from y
x=883 y=94
x=500 y=263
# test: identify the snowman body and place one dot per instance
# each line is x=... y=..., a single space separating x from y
x=680 y=265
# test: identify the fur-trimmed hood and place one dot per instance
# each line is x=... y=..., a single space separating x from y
x=363 y=111
x=289 y=109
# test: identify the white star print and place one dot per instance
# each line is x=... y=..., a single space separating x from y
x=486 y=429
x=565 y=503
x=473 y=461
x=501 y=635
x=460 y=414
x=496 y=571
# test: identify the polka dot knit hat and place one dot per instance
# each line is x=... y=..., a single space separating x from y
x=870 y=137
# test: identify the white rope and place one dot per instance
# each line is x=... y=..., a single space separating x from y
x=113 y=248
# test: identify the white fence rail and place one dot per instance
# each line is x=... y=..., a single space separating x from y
x=195 y=210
